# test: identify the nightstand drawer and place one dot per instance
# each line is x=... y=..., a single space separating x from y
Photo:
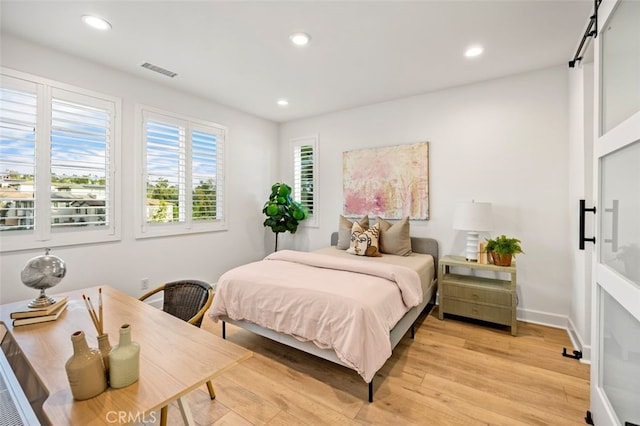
x=478 y=294
x=482 y=312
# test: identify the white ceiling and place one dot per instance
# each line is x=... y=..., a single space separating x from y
x=238 y=53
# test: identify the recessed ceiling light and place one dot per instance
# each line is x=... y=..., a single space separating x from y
x=300 y=39
x=95 y=22
x=282 y=102
x=473 y=51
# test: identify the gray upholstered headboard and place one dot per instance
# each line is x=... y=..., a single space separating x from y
x=418 y=244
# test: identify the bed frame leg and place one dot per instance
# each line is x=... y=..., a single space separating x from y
x=371 y=391
x=224 y=330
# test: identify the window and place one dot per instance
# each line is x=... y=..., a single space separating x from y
x=305 y=176
x=57 y=162
x=182 y=185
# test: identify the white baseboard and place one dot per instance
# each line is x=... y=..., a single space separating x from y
x=557 y=321
x=542 y=318
x=578 y=342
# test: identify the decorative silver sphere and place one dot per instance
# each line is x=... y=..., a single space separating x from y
x=43 y=272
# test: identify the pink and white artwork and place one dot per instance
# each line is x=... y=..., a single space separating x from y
x=391 y=182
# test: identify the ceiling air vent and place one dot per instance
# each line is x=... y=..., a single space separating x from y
x=158 y=69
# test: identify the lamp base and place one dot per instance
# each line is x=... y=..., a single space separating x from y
x=471 y=253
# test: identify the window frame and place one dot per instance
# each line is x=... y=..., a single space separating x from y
x=43 y=235
x=144 y=229
x=312 y=220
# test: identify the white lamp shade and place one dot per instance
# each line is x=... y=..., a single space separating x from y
x=473 y=217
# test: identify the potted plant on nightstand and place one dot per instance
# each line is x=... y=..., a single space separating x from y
x=283 y=212
x=502 y=249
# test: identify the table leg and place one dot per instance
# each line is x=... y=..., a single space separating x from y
x=187 y=417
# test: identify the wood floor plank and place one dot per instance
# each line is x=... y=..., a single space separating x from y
x=516 y=410
x=510 y=382
x=244 y=401
x=453 y=373
x=231 y=419
x=287 y=395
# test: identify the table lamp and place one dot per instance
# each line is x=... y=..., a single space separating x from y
x=474 y=218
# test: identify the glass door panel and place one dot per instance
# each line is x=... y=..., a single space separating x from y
x=620 y=220
x=620 y=360
x=621 y=65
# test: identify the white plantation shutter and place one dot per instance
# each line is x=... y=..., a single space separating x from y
x=207 y=154
x=18 y=114
x=183 y=175
x=80 y=182
x=165 y=165
x=305 y=176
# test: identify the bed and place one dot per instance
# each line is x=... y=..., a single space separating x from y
x=275 y=298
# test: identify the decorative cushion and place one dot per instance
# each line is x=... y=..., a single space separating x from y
x=364 y=242
x=344 y=231
x=394 y=238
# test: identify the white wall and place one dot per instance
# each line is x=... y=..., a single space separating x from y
x=251 y=154
x=504 y=141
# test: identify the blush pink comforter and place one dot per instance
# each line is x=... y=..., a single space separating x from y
x=343 y=304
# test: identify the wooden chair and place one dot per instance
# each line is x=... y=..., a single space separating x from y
x=188 y=300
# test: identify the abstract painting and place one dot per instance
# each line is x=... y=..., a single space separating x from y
x=391 y=182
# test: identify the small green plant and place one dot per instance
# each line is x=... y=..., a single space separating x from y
x=503 y=245
x=283 y=212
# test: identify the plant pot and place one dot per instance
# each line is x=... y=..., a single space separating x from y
x=504 y=260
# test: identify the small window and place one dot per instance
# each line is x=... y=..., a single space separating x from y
x=183 y=175
x=305 y=176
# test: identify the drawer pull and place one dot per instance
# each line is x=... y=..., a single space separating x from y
x=475 y=311
x=475 y=296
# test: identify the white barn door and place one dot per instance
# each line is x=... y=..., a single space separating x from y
x=615 y=367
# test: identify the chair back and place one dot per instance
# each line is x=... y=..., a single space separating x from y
x=185 y=299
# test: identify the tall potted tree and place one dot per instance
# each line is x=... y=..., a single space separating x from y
x=283 y=212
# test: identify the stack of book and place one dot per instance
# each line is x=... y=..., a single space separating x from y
x=36 y=315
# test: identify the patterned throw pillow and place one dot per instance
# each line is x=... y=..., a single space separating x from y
x=344 y=231
x=364 y=242
x=395 y=238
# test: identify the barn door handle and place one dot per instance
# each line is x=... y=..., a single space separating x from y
x=614 y=226
x=583 y=239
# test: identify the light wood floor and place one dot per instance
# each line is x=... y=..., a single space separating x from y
x=453 y=373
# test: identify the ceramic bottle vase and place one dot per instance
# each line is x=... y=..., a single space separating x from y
x=85 y=369
x=124 y=360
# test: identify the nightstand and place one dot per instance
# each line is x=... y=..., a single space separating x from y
x=487 y=299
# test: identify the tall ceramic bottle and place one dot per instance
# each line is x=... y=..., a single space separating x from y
x=124 y=360
x=85 y=369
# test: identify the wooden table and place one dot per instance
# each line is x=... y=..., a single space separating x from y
x=175 y=358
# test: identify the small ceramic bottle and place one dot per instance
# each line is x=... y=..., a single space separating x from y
x=85 y=369
x=124 y=360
